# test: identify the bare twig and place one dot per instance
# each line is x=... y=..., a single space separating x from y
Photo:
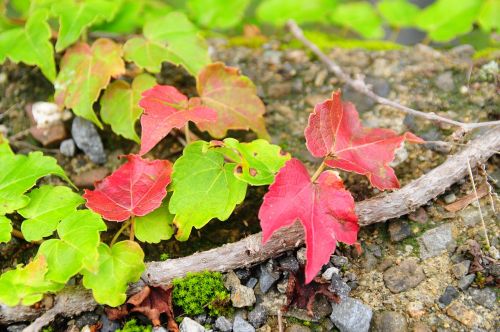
x=360 y=85
x=471 y=176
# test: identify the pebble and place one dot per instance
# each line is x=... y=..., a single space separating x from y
x=88 y=318
x=223 y=324
x=45 y=114
x=445 y=82
x=282 y=286
x=415 y=309
x=189 y=325
x=399 y=230
x=252 y=282
x=108 y=325
x=339 y=287
x=435 y=241
x=339 y=261
x=390 y=321
x=297 y=328
x=88 y=178
x=242 y=296
x=243 y=274
x=51 y=135
x=405 y=276
x=16 y=328
x=231 y=280
x=289 y=263
x=88 y=140
x=159 y=329
x=351 y=315
x=327 y=275
x=462 y=314
x=485 y=297
x=67 y=148
x=465 y=282
x=460 y=269
x=421 y=327
x=267 y=277
x=420 y=216
x=470 y=216
x=450 y=293
x=450 y=198
x=241 y=325
x=301 y=256
x=258 y=316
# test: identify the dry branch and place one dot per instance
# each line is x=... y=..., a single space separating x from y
x=250 y=250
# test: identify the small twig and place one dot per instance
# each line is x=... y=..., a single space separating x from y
x=478 y=203
x=117 y=235
x=360 y=85
x=187 y=134
x=318 y=171
x=19 y=135
x=489 y=188
x=280 y=321
x=29 y=146
x=132 y=229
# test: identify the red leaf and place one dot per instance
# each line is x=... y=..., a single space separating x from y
x=135 y=189
x=166 y=108
x=325 y=209
x=334 y=130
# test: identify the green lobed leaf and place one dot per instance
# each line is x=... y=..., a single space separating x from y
x=117 y=267
x=30 y=44
x=47 y=207
x=147 y=54
x=76 y=247
x=447 y=19
x=204 y=187
x=360 y=17
x=5 y=229
x=398 y=13
x=155 y=226
x=489 y=15
x=257 y=162
x=20 y=173
x=120 y=105
x=277 y=12
x=26 y=285
x=217 y=14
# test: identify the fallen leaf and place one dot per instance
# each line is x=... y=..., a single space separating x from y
x=467 y=199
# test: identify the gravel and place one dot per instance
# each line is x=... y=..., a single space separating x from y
x=351 y=315
x=88 y=140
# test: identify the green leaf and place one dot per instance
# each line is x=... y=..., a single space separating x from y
x=204 y=187
x=30 y=44
x=360 y=17
x=47 y=207
x=447 y=19
x=184 y=45
x=398 y=13
x=489 y=15
x=85 y=71
x=76 y=247
x=120 y=105
x=20 y=173
x=117 y=267
x=258 y=161
x=5 y=229
x=26 y=285
x=217 y=14
x=277 y=12
x=155 y=226
x=76 y=16
x=5 y=149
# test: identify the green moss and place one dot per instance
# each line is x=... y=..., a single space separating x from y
x=201 y=291
x=489 y=53
x=164 y=256
x=48 y=329
x=131 y=326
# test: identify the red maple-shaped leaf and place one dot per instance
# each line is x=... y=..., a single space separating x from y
x=334 y=130
x=325 y=209
x=135 y=189
x=166 y=108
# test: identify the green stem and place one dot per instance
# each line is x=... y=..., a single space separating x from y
x=124 y=226
x=132 y=229
x=318 y=171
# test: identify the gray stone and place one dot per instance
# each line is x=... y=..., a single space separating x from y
x=321 y=308
x=465 y=282
x=375 y=250
x=436 y=241
x=189 y=325
x=327 y=275
x=258 y=316
x=289 y=263
x=88 y=318
x=17 y=328
x=252 y=282
x=242 y=296
x=445 y=81
x=399 y=230
x=404 y=276
x=338 y=261
x=223 y=324
x=109 y=325
x=351 y=315
x=159 y=329
x=460 y=269
x=243 y=274
x=390 y=321
x=495 y=270
x=297 y=328
x=67 y=148
x=201 y=319
x=485 y=297
x=231 y=280
x=241 y=325
x=450 y=293
x=450 y=198
x=470 y=216
x=339 y=287
x=87 y=139
x=268 y=277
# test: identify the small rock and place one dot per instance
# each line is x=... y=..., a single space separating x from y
x=369 y=260
x=405 y=276
x=421 y=327
x=450 y=293
x=16 y=328
x=375 y=250
x=223 y=324
x=390 y=321
x=301 y=256
x=462 y=314
x=289 y=263
x=265 y=328
x=282 y=286
x=420 y=216
x=108 y=325
x=351 y=315
x=338 y=261
x=231 y=280
x=241 y=325
x=201 y=319
x=399 y=230
x=485 y=297
x=272 y=57
x=268 y=277
x=435 y=241
x=189 y=325
x=415 y=309
x=327 y=275
x=243 y=274
x=252 y=282
x=297 y=328
x=460 y=269
x=279 y=90
x=67 y=148
x=385 y=264
x=495 y=270
x=88 y=178
x=339 y=287
x=159 y=329
x=465 y=282
x=88 y=140
x=258 y=316
x=88 y=318
x=51 y=135
x=470 y=216
x=45 y=114
x=445 y=81
x=242 y=296
x=450 y=198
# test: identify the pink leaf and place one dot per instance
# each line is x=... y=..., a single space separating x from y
x=166 y=108
x=325 y=209
x=135 y=189
x=334 y=130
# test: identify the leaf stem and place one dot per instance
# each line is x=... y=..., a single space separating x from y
x=124 y=226
x=318 y=171
x=132 y=229
x=18 y=234
x=186 y=133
